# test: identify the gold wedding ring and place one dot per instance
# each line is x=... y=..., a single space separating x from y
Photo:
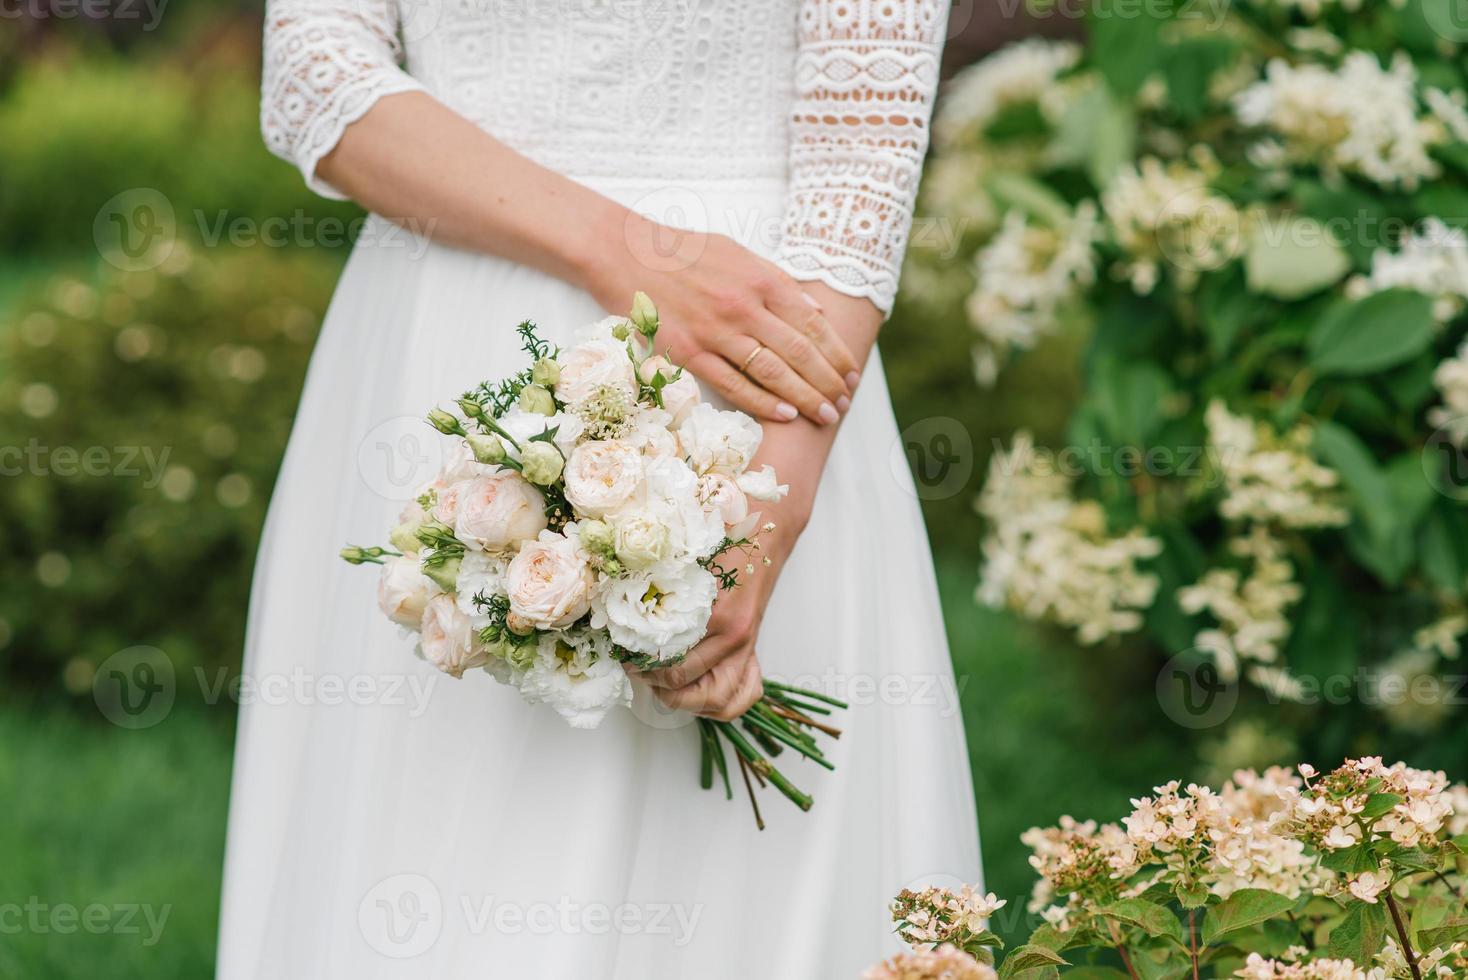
x=744 y=368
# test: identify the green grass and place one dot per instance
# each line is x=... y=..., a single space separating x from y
x=98 y=815
x=119 y=820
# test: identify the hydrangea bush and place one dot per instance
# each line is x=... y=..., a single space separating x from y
x=1357 y=873
x=1257 y=221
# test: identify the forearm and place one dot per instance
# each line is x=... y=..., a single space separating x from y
x=419 y=163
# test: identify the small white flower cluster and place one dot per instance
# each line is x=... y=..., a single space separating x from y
x=1023 y=72
x=1443 y=963
x=1451 y=379
x=1359 y=119
x=1078 y=860
x=1167 y=213
x=579 y=525
x=1272 y=478
x=1258 y=967
x=942 y=963
x=939 y=916
x=1025 y=275
x=1252 y=611
x=1433 y=260
x=1051 y=557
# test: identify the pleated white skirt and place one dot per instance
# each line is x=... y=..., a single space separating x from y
x=389 y=821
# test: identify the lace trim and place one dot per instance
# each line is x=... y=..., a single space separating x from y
x=326 y=64
x=865 y=80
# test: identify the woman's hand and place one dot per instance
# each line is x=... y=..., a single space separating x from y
x=737 y=321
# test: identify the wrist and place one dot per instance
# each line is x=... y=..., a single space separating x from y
x=593 y=254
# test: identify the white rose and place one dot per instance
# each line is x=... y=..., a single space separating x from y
x=671 y=496
x=602 y=476
x=661 y=612
x=721 y=495
x=588 y=366
x=575 y=674
x=448 y=641
x=680 y=396
x=403 y=591
x=762 y=484
x=549 y=582
x=715 y=441
x=497 y=512
x=524 y=425
x=640 y=540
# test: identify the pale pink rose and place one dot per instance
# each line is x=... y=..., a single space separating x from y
x=448 y=641
x=497 y=512
x=403 y=591
x=720 y=493
x=446 y=503
x=602 y=476
x=549 y=582
x=592 y=364
x=678 y=397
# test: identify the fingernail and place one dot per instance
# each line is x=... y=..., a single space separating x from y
x=852 y=379
x=811 y=301
x=827 y=414
x=843 y=404
x=786 y=413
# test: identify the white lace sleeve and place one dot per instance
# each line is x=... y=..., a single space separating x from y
x=326 y=63
x=865 y=78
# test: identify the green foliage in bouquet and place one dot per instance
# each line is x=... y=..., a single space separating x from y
x=1259 y=213
x=1357 y=874
x=144 y=415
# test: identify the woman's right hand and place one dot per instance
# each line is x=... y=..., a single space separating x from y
x=741 y=324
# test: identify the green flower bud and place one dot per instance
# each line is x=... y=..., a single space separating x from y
x=471 y=408
x=597 y=537
x=546 y=372
x=537 y=399
x=404 y=537
x=541 y=463
x=445 y=423
x=622 y=330
x=486 y=449
x=444 y=574
x=644 y=314
x=520 y=655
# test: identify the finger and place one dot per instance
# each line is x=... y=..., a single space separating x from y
x=788 y=301
x=800 y=353
x=751 y=689
x=738 y=390
x=703 y=694
x=702 y=659
x=764 y=366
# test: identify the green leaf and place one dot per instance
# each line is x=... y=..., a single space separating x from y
x=1228 y=309
x=1127 y=394
x=1344 y=207
x=1188 y=67
x=1021 y=192
x=1443 y=545
x=1370 y=490
x=1364 y=336
x=1244 y=908
x=1029 y=957
x=1444 y=935
x=1292 y=257
x=1125 y=44
x=1379 y=803
x=1153 y=919
x=1324 y=642
x=1193 y=896
x=1094 y=973
x=1351 y=860
x=1359 y=937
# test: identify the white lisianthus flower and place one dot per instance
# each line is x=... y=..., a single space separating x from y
x=575 y=674
x=479 y=574
x=719 y=441
x=526 y=425
x=762 y=485
x=679 y=396
x=549 y=582
x=494 y=513
x=448 y=641
x=641 y=540
x=403 y=591
x=661 y=612
x=670 y=494
x=720 y=494
x=601 y=477
x=591 y=365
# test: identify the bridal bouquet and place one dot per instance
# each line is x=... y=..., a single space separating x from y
x=590 y=510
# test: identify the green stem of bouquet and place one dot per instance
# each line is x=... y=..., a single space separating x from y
x=777 y=720
x=1407 y=951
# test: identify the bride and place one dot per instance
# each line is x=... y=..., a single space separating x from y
x=752 y=166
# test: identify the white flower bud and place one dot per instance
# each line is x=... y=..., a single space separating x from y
x=541 y=463
x=536 y=399
x=546 y=372
x=486 y=448
x=644 y=314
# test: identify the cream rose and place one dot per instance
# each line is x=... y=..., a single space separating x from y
x=403 y=591
x=640 y=540
x=448 y=641
x=715 y=441
x=496 y=512
x=588 y=366
x=549 y=582
x=602 y=476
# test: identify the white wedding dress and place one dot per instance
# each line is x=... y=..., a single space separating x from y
x=388 y=821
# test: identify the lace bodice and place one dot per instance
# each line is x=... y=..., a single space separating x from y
x=833 y=96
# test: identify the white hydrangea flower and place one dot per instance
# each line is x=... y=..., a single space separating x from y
x=1166 y=213
x=1050 y=557
x=1021 y=72
x=1252 y=610
x=575 y=675
x=1269 y=477
x=1361 y=118
x=1432 y=260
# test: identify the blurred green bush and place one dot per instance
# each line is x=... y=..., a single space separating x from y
x=144 y=414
